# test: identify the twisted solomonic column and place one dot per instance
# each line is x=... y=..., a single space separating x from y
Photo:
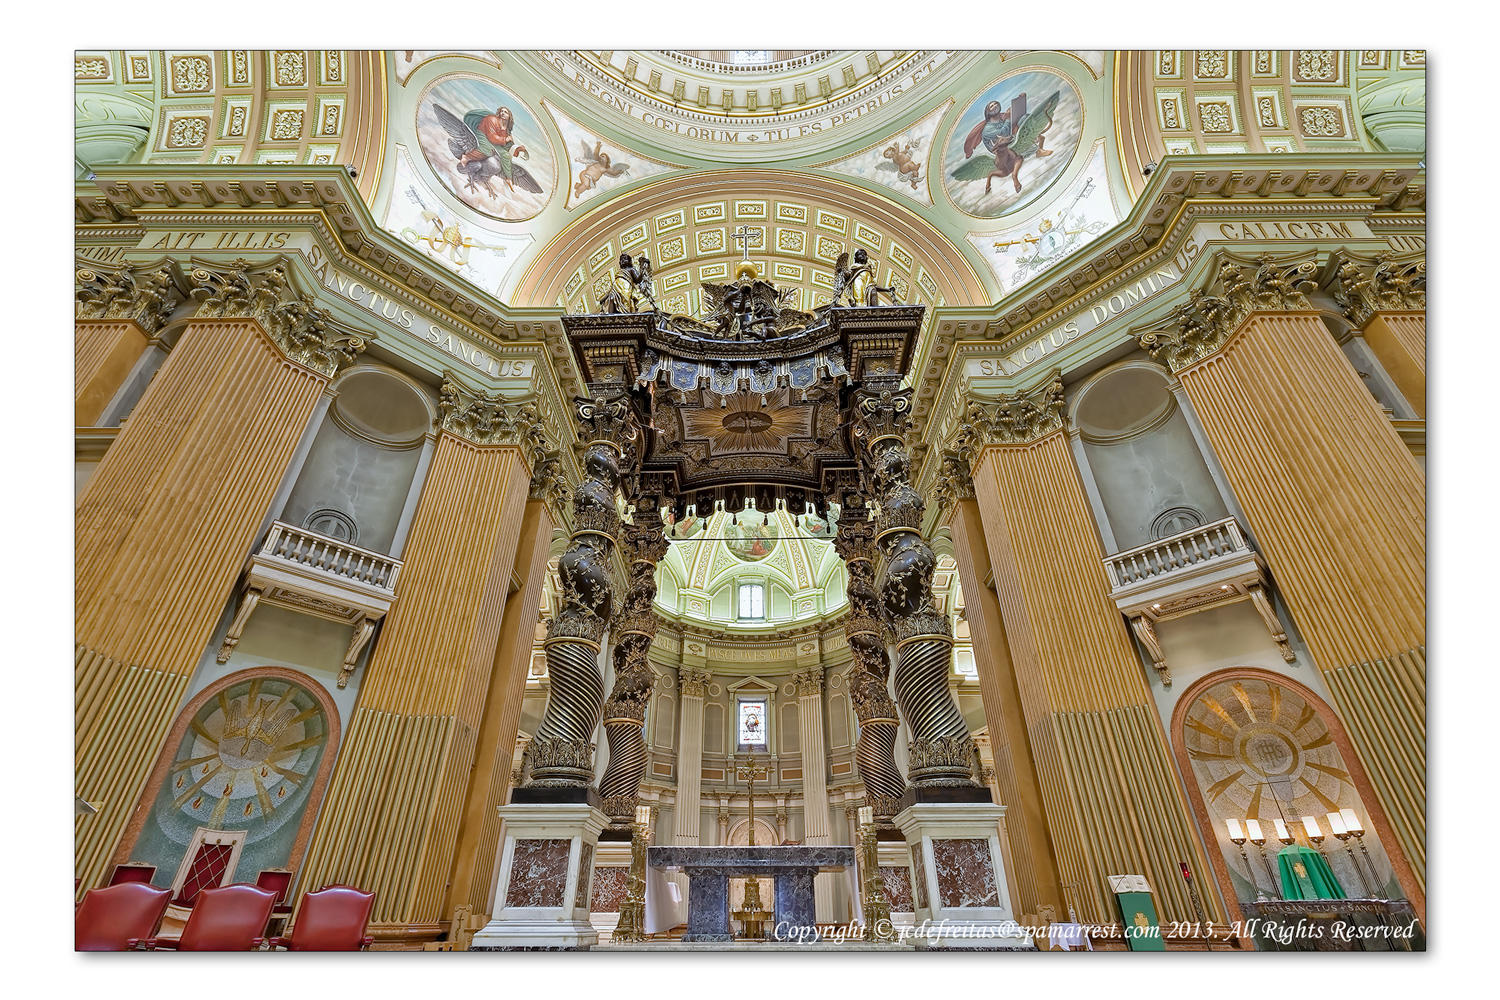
x=875 y=750
x=941 y=752
x=562 y=751
x=644 y=544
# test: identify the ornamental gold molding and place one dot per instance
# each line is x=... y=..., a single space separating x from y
x=1009 y=420
x=1364 y=286
x=130 y=292
x=954 y=482
x=1200 y=327
x=303 y=331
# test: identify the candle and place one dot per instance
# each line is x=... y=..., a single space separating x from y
x=866 y=815
x=643 y=815
x=1351 y=820
x=1255 y=835
x=1281 y=833
x=1336 y=824
x=1235 y=833
x=1310 y=824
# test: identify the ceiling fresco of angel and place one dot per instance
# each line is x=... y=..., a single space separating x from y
x=1012 y=142
x=486 y=147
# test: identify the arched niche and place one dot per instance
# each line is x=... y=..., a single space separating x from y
x=765 y=835
x=1150 y=477
x=361 y=472
x=1244 y=728
x=251 y=752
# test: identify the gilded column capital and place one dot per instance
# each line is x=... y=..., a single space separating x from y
x=809 y=682
x=492 y=419
x=693 y=681
x=303 y=331
x=146 y=298
x=954 y=482
x=1200 y=326
x=1015 y=419
x=1364 y=286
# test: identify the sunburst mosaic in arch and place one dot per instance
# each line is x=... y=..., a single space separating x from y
x=247 y=752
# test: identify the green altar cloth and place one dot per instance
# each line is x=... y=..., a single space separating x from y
x=1305 y=875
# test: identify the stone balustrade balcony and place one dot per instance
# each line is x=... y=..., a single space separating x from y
x=1194 y=570
x=315 y=574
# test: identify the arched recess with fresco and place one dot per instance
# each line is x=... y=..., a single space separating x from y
x=1253 y=744
x=249 y=754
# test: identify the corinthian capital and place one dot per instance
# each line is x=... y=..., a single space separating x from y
x=954 y=482
x=1200 y=326
x=1366 y=286
x=147 y=298
x=1016 y=419
x=486 y=418
x=693 y=682
x=305 y=332
x=808 y=682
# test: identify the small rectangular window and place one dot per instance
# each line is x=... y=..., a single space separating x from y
x=752 y=724
x=752 y=602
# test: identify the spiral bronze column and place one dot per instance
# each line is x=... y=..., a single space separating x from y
x=875 y=750
x=940 y=752
x=643 y=544
x=562 y=753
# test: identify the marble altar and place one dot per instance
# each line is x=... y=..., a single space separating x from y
x=709 y=869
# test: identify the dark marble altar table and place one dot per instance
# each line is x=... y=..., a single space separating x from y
x=710 y=868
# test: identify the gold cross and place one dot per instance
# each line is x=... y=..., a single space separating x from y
x=748 y=772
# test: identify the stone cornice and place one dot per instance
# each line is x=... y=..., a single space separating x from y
x=1366 y=285
x=1199 y=327
x=303 y=331
x=144 y=296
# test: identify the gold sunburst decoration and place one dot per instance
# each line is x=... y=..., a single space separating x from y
x=745 y=426
x=247 y=751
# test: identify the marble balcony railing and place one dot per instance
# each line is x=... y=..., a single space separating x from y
x=314 y=574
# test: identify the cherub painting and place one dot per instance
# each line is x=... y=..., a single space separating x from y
x=486 y=147
x=1014 y=140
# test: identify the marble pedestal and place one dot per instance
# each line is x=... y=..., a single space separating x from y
x=958 y=877
x=546 y=864
x=709 y=868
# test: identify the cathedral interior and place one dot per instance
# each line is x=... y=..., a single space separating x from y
x=750 y=499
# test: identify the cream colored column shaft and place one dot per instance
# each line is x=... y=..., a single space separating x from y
x=692 y=684
x=1036 y=882
x=817 y=827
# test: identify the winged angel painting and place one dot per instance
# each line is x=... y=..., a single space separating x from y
x=1012 y=143
x=486 y=147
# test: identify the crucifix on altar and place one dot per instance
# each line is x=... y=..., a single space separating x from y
x=753 y=916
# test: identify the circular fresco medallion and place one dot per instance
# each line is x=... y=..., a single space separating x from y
x=750 y=540
x=1012 y=143
x=486 y=147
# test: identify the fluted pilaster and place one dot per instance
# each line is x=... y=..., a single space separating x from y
x=1386 y=298
x=1339 y=510
x=692 y=686
x=117 y=314
x=1112 y=799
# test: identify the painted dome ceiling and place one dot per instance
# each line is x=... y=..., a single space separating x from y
x=964 y=174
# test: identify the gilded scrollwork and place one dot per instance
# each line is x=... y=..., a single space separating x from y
x=145 y=297
x=491 y=419
x=1020 y=418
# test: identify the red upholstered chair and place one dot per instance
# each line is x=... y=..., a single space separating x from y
x=332 y=919
x=278 y=880
x=232 y=918
x=132 y=871
x=111 y=919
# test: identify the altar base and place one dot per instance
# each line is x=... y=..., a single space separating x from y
x=958 y=877
x=546 y=864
